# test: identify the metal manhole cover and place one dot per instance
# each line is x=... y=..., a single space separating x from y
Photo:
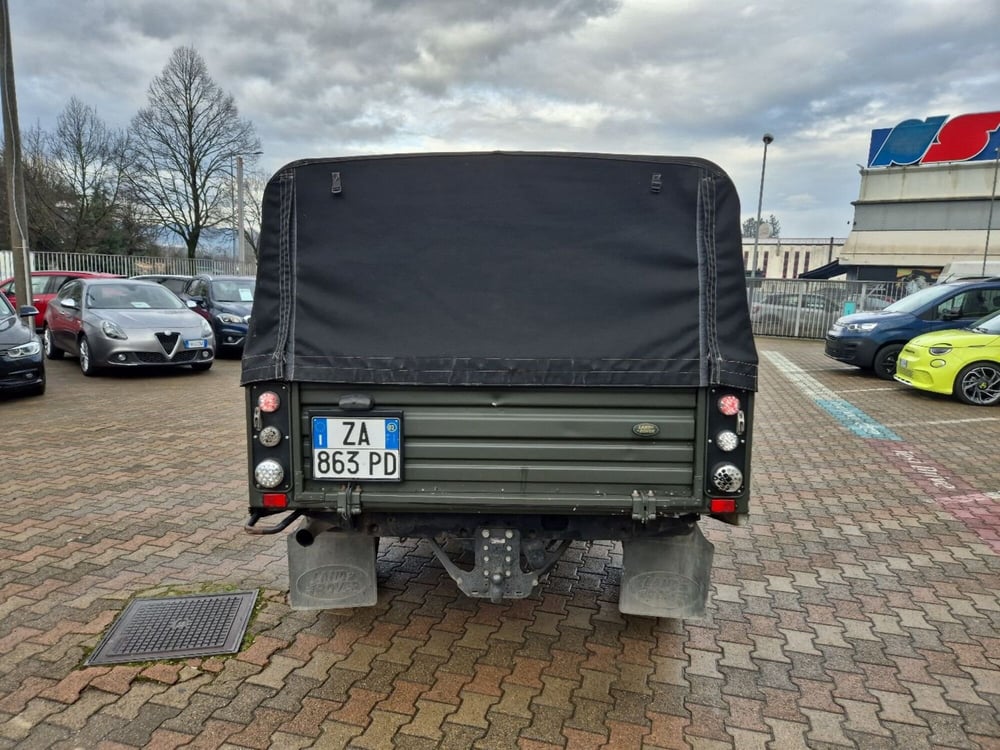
x=176 y=628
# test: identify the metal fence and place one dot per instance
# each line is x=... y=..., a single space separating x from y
x=798 y=308
x=126 y=265
x=803 y=308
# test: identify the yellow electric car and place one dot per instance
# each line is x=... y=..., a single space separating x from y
x=964 y=362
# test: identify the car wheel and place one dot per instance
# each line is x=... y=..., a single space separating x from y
x=51 y=350
x=885 y=361
x=86 y=358
x=979 y=384
x=201 y=366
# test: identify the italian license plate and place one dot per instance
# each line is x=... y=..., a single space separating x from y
x=195 y=343
x=356 y=448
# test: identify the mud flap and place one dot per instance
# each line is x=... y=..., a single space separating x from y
x=667 y=577
x=334 y=571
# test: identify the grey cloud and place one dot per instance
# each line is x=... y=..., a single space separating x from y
x=323 y=77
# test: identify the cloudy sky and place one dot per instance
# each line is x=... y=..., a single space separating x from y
x=680 y=77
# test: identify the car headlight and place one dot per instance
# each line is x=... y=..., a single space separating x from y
x=112 y=330
x=228 y=318
x=861 y=326
x=24 y=350
x=206 y=328
x=937 y=351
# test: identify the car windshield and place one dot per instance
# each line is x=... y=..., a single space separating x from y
x=142 y=296
x=5 y=307
x=989 y=324
x=913 y=302
x=233 y=290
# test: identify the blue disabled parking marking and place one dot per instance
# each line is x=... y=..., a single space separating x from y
x=856 y=420
x=847 y=414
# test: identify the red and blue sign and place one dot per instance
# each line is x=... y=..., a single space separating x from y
x=936 y=140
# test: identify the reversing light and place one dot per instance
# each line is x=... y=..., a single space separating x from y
x=727 y=440
x=729 y=405
x=269 y=473
x=727 y=478
x=268 y=401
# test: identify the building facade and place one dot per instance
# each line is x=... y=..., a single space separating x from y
x=927 y=200
x=780 y=258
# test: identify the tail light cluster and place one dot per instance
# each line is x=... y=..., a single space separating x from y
x=726 y=452
x=270 y=444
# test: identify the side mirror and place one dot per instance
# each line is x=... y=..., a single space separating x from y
x=191 y=303
x=68 y=302
x=28 y=311
x=951 y=314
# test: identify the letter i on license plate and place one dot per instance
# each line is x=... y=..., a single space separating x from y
x=362 y=448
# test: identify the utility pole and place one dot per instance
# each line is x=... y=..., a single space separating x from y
x=241 y=256
x=989 y=220
x=16 y=204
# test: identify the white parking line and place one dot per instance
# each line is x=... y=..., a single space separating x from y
x=943 y=421
x=868 y=390
x=847 y=414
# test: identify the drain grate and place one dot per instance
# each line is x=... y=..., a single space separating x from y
x=176 y=628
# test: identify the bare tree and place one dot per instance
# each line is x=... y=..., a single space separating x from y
x=90 y=159
x=46 y=193
x=183 y=142
x=254 y=183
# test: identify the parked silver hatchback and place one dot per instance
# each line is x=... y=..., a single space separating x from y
x=126 y=323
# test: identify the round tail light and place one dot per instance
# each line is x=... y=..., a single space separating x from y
x=729 y=405
x=269 y=473
x=268 y=401
x=727 y=478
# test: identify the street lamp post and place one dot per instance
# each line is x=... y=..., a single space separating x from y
x=239 y=237
x=768 y=139
x=989 y=220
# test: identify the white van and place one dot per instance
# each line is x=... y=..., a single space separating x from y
x=968 y=269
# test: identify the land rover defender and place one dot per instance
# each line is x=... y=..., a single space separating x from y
x=500 y=353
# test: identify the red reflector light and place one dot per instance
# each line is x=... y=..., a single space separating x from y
x=723 y=505
x=729 y=405
x=275 y=500
x=268 y=401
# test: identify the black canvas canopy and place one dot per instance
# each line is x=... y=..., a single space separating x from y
x=501 y=269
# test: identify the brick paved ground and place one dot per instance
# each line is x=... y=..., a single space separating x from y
x=859 y=609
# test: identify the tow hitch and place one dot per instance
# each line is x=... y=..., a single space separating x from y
x=498 y=573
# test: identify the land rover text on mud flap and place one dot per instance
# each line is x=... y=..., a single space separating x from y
x=500 y=353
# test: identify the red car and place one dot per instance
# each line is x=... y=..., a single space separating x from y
x=44 y=285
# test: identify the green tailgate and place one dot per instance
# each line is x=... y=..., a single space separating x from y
x=542 y=451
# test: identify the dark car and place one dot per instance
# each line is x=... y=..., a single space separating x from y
x=126 y=323
x=873 y=340
x=22 y=369
x=175 y=282
x=44 y=285
x=225 y=302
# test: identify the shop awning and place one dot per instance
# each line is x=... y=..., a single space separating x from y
x=824 y=272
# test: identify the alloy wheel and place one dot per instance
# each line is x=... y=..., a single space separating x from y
x=980 y=384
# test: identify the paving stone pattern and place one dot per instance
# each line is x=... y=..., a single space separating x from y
x=859 y=608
